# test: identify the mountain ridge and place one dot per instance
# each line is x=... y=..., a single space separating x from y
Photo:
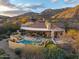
x=71 y=13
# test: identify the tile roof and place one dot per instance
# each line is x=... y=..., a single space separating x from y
x=37 y=24
x=42 y=25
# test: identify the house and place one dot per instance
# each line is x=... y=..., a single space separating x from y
x=43 y=28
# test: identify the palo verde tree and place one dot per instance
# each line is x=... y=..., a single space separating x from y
x=66 y=26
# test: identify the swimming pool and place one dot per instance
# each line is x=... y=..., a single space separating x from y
x=26 y=42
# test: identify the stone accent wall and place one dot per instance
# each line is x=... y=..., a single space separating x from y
x=48 y=25
x=14 y=45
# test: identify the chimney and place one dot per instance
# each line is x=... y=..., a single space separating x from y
x=48 y=25
x=43 y=19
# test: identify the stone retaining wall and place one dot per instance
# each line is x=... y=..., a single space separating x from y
x=14 y=45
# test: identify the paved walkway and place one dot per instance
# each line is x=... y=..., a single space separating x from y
x=4 y=46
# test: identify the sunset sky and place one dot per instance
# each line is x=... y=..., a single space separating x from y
x=17 y=7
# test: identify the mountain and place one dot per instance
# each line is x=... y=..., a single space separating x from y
x=48 y=13
x=71 y=13
x=45 y=14
x=31 y=15
x=3 y=17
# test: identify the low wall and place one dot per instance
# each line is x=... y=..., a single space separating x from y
x=14 y=45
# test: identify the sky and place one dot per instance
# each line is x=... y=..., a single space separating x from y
x=17 y=7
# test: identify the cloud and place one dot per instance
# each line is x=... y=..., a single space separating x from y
x=12 y=13
x=7 y=3
x=30 y=6
x=66 y=1
x=9 y=9
x=70 y=1
x=33 y=6
x=54 y=1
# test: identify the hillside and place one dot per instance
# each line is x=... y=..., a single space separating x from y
x=71 y=13
x=3 y=17
x=48 y=13
x=45 y=14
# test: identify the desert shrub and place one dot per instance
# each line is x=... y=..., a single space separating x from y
x=18 y=51
x=72 y=39
x=34 y=52
x=48 y=42
x=9 y=28
x=53 y=52
x=2 y=52
x=72 y=56
x=3 y=36
x=4 y=56
x=1 y=39
x=72 y=32
x=49 y=52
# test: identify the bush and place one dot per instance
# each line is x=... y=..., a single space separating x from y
x=72 y=39
x=9 y=28
x=72 y=56
x=18 y=51
x=2 y=52
x=4 y=56
x=48 y=42
x=1 y=39
x=3 y=36
x=34 y=52
x=53 y=52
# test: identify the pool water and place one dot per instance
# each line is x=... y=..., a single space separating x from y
x=26 y=42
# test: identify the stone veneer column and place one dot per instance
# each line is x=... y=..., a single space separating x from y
x=52 y=36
